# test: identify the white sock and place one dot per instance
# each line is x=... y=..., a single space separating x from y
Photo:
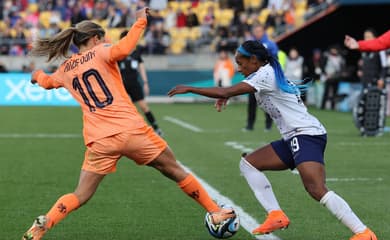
x=340 y=208
x=260 y=186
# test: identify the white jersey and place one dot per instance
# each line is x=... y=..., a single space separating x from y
x=287 y=110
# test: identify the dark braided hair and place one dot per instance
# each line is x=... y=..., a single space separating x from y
x=255 y=48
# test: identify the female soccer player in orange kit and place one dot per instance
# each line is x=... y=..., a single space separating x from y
x=93 y=78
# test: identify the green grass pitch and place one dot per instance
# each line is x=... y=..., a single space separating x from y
x=138 y=203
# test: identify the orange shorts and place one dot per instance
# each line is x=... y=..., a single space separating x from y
x=142 y=145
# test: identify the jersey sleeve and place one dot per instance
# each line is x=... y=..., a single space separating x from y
x=45 y=81
x=377 y=44
x=260 y=81
x=127 y=44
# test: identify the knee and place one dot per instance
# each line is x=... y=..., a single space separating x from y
x=245 y=166
x=316 y=191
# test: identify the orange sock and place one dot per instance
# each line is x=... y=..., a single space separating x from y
x=194 y=189
x=64 y=205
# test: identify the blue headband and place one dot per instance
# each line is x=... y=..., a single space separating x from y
x=243 y=51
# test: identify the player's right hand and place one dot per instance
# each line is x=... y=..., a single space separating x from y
x=33 y=77
x=142 y=13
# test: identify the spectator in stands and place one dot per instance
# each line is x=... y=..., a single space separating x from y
x=333 y=71
x=158 y=4
x=315 y=7
x=78 y=14
x=181 y=19
x=157 y=40
x=242 y=26
x=156 y=17
x=380 y=43
x=63 y=9
x=207 y=26
x=192 y=18
x=114 y=17
x=127 y=17
x=259 y=34
x=373 y=67
x=314 y=69
x=100 y=10
x=170 y=19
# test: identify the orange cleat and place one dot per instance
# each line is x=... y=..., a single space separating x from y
x=275 y=220
x=37 y=230
x=222 y=215
x=366 y=235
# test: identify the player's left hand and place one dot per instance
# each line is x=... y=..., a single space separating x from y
x=179 y=89
x=221 y=104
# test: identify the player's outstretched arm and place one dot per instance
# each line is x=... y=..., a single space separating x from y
x=44 y=80
x=214 y=92
x=127 y=44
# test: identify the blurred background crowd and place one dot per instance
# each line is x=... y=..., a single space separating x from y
x=175 y=26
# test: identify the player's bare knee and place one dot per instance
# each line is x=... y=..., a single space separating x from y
x=315 y=191
x=245 y=166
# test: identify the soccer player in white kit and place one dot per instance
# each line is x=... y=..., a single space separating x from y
x=302 y=145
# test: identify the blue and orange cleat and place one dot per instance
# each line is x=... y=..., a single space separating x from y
x=275 y=220
x=366 y=235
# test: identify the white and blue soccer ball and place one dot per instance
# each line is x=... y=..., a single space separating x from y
x=225 y=229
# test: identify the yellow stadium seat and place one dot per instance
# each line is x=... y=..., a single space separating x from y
x=177 y=46
x=174 y=5
x=225 y=17
x=263 y=15
x=256 y=3
x=195 y=33
x=114 y=34
x=44 y=18
x=2 y=25
x=185 y=5
x=32 y=7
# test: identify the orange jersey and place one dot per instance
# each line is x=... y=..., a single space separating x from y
x=93 y=78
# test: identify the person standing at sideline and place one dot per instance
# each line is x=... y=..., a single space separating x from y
x=130 y=67
x=259 y=34
x=223 y=69
x=302 y=145
x=373 y=66
x=112 y=125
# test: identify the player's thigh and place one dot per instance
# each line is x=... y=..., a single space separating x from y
x=143 y=145
x=102 y=155
x=265 y=158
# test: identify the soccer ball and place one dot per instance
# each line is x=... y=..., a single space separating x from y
x=225 y=229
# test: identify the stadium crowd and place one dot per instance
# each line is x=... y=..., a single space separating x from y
x=175 y=26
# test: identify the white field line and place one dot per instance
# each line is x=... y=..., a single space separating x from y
x=40 y=135
x=183 y=124
x=247 y=222
x=241 y=147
